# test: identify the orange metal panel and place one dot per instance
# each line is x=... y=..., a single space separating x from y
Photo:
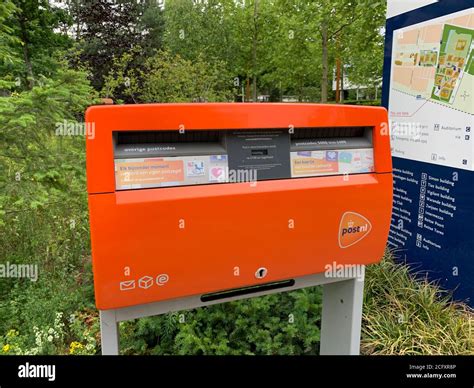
x=156 y=244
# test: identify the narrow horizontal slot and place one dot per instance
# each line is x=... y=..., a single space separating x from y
x=151 y=144
x=247 y=290
x=336 y=138
x=156 y=137
x=328 y=132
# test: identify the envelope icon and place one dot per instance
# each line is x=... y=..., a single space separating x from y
x=127 y=285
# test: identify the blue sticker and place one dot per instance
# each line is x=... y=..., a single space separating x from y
x=218 y=158
x=345 y=157
x=304 y=153
x=331 y=156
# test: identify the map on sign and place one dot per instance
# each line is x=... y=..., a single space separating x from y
x=432 y=96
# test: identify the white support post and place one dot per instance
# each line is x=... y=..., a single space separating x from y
x=342 y=317
x=109 y=332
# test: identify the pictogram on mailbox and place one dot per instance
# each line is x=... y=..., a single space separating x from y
x=180 y=195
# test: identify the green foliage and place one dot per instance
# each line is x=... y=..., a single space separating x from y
x=36 y=168
x=169 y=78
x=293 y=57
x=53 y=338
x=35 y=25
x=363 y=37
x=43 y=211
x=199 y=28
x=7 y=36
x=237 y=33
x=107 y=29
x=286 y=323
x=278 y=44
x=406 y=316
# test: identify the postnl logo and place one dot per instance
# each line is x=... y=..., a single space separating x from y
x=353 y=228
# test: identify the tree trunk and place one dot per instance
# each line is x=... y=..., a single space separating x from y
x=300 y=91
x=342 y=84
x=247 y=90
x=324 y=60
x=254 y=50
x=29 y=68
x=26 y=55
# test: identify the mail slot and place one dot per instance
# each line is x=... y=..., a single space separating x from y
x=216 y=199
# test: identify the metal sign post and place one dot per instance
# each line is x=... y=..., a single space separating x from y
x=341 y=314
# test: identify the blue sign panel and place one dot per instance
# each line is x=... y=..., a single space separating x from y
x=428 y=89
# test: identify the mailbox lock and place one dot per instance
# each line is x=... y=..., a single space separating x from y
x=261 y=273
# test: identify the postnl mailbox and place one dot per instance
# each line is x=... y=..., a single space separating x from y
x=213 y=200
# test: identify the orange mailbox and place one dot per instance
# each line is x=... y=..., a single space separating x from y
x=214 y=199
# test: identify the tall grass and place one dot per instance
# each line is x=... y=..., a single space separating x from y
x=408 y=316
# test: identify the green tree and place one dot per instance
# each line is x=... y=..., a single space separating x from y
x=199 y=28
x=165 y=77
x=33 y=23
x=107 y=29
x=234 y=32
x=323 y=31
x=364 y=46
x=279 y=46
x=29 y=120
x=253 y=24
x=7 y=37
x=293 y=64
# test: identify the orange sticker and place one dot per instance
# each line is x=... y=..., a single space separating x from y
x=304 y=166
x=353 y=228
x=148 y=172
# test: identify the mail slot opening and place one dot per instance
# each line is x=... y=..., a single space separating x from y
x=247 y=290
x=339 y=137
x=147 y=159
x=329 y=132
x=170 y=136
